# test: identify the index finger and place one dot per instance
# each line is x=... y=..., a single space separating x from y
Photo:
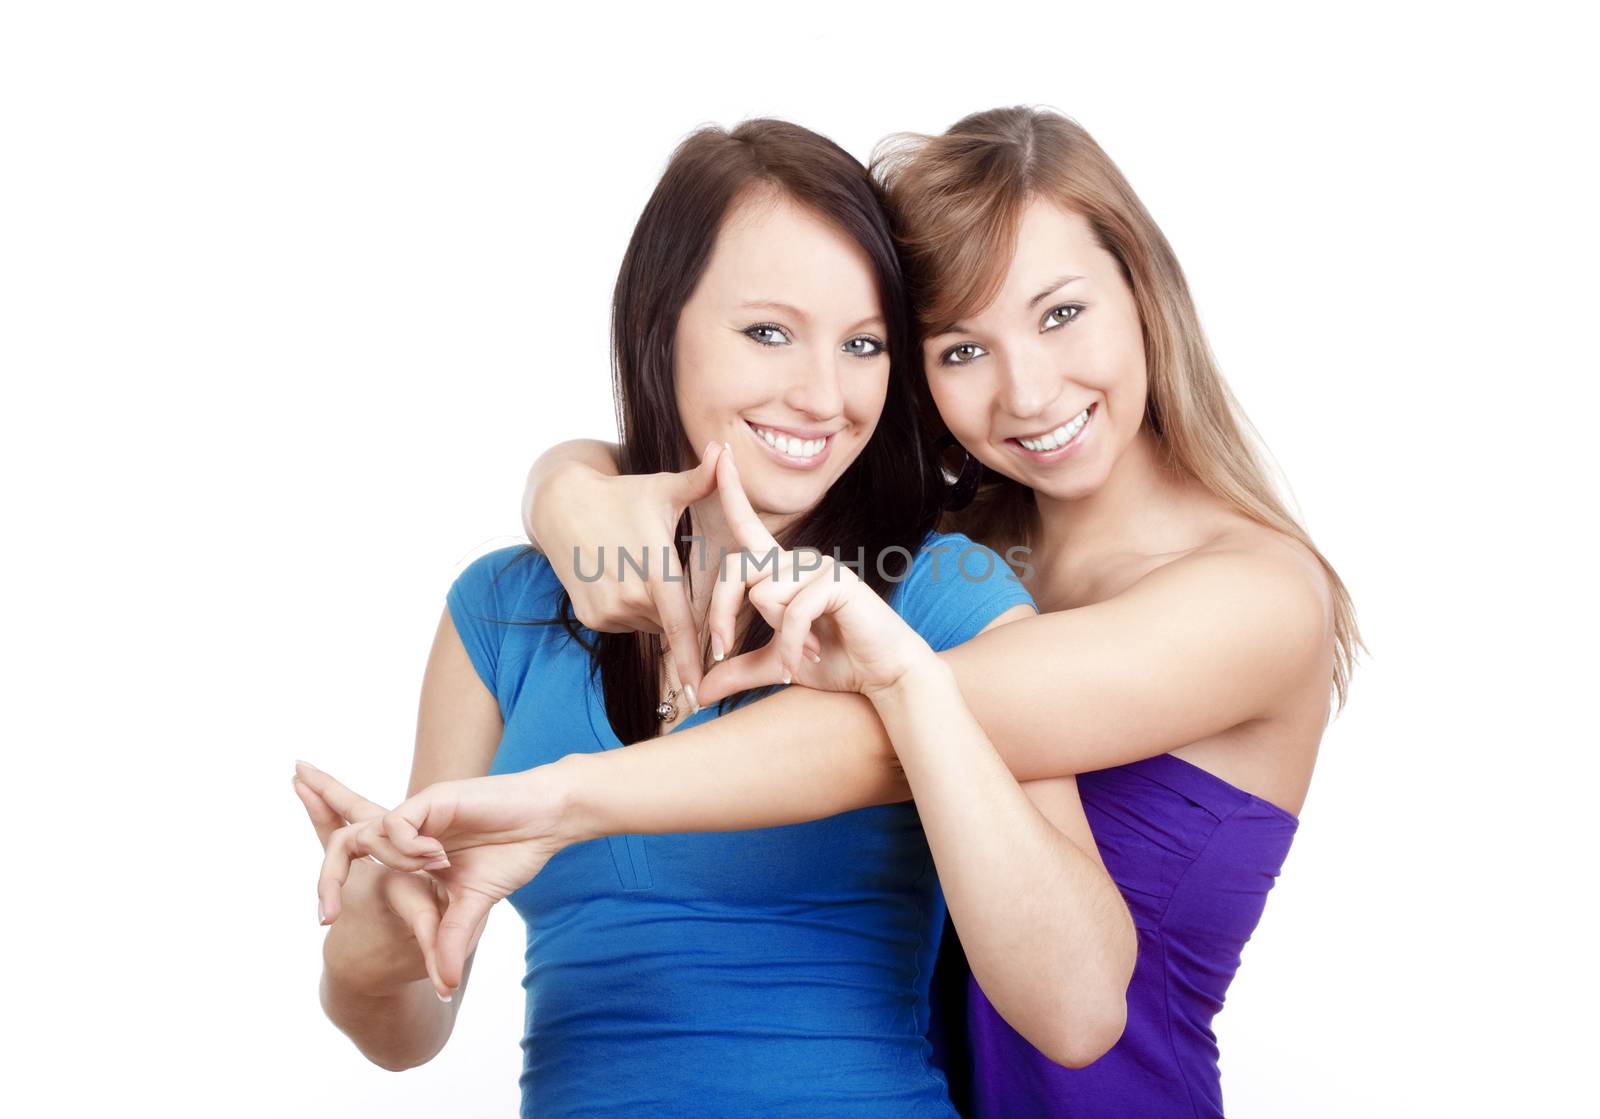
x=323 y=818
x=677 y=623
x=352 y=807
x=747 y=527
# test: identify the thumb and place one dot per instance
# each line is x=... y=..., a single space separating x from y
x=459 y=931
x=419 y=909
x=758 y=669
x=694 y=485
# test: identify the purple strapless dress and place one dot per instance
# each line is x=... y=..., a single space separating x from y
x=1194 y=856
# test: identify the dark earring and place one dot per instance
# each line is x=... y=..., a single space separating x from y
x=965 y=486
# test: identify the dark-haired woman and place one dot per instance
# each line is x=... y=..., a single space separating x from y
x=1191 y=636
x=772 y=971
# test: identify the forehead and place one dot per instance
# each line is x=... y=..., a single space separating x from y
x=772 y=248
x=1051 y=241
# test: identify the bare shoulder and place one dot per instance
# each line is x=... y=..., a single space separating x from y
x=1251 y=561
x=1269 y=588
x=1274 y=563
x=1271 y=593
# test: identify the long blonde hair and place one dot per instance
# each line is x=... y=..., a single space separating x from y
x=956 y=201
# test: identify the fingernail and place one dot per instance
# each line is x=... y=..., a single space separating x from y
x=816 y=658
x=437 y=864
x=322 y=918
x=444 y=998
x=694 y=704
x=786 y=676
x=727 y=445
x=716 y=648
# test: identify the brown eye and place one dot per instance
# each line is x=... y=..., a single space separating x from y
x=963 y=354
x=1061 y=316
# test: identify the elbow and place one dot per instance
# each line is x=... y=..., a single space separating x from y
x=400 y=1058
x=1088 y=1038
x=393 y=1063
x=1092 y=1023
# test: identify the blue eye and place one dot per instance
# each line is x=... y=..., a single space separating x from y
x=765 y=332
x=1062 y=315
x=864 y=346
x=963 y=354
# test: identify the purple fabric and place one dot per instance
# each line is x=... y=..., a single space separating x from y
x=1194 y=856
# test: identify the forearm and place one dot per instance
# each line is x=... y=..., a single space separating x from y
x=798 y=755
x=369 y=990
x=1046 y=931
x=1044 y=928
x=714 y=777
x=574 y=454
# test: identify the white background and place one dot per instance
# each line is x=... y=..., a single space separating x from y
x=291 y=294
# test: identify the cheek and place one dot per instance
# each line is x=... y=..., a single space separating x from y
x=709 y=382
x=865 y=397
x=964 y=404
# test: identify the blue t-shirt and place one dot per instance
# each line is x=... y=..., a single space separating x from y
x=772 y=971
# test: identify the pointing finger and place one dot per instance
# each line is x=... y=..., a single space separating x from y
x=741 y=516
x=323 y=817
x=349 y=806
x=677 y=622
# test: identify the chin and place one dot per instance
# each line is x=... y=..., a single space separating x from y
x=776 y=498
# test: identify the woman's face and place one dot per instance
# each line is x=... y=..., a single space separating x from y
x=1047 y=384
x=781 y=353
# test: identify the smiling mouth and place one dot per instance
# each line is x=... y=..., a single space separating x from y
x=1056 y=438
x=792 y=449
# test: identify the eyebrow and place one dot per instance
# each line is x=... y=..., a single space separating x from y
x=790 y=308
x=1055 y=285
x=776 y=305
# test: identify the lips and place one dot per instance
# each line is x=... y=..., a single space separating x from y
x=792 y=448
x=1058 y=442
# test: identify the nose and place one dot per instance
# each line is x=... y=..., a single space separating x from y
x=817 y=390
x=1028 y=384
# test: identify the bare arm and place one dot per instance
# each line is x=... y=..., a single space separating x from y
x=369 y=987
x=594 y=454
x=1046 y=932
x=1196 y=647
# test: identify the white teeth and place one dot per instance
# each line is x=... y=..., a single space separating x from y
x=1060 y=437
x=790 y=445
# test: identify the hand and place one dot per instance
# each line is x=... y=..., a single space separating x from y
x=411 y=898
x=808 y=599
x=632 y=511
x=498 y=831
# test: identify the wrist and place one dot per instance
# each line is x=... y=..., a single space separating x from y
x=562 y=806
x=927 y=675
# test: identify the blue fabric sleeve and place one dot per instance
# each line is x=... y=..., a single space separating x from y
x=483 y=598
x=954 y=588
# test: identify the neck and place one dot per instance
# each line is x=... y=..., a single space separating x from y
x=715 y=539
x=1137 y=509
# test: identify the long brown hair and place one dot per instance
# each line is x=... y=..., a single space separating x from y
x=957 y=202
x=889 y=497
